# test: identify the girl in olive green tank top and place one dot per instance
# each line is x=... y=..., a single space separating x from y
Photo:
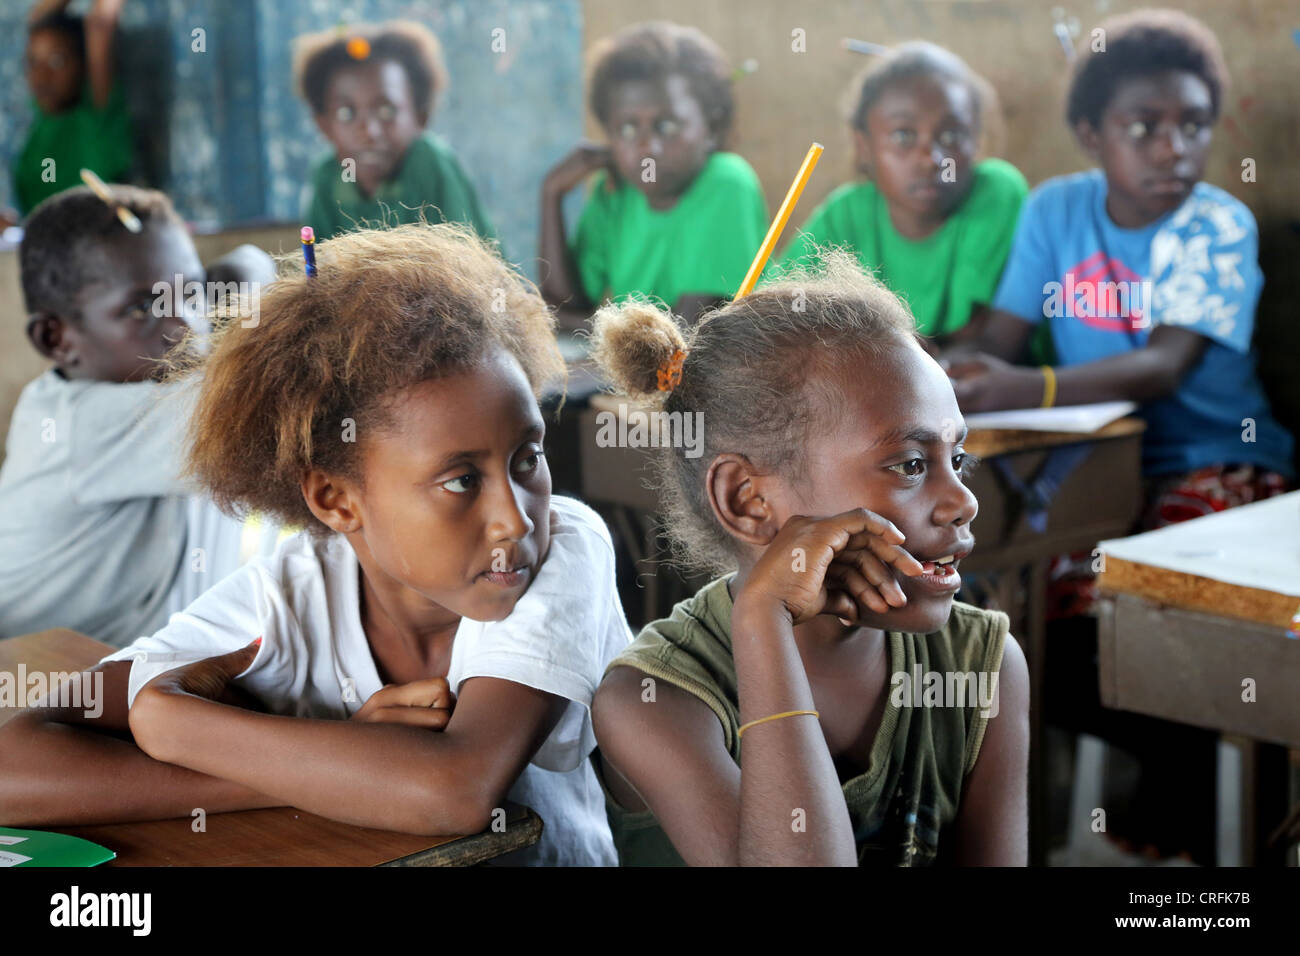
x=828 y=701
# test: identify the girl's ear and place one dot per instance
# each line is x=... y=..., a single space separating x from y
x=1089 y=139
x=332 y=501
x=862 y=153
x=48 y=334
x=735 y=494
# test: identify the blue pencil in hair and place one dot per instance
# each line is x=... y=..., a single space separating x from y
x=309 y=250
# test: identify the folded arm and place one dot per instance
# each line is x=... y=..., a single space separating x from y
x=389 y=776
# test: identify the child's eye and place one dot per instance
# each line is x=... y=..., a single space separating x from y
x=964 y=464
x=387 y=113
x=668 y=127
x=1137 y=129
x=529 y=463
x=345 y=114
x=628 y=132
x=1192 y=129
x=903 y=137
x=912 y=468
x=460 y=484
x=142 y=312
x=950 y=138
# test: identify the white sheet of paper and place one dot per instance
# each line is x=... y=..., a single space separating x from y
x=12 y=859
x=1254 y=546
x=7 y=840
x=1063 y=418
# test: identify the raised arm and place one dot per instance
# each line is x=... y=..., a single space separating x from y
x=43 y=8
x=101 y=35
x=672 y=753
x=561 y=285
x=64 y=768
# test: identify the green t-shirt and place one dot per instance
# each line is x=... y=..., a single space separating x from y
x=82 y=137
x=701 y=246
x=943 y=275
x=909 y=795
x=430 y=177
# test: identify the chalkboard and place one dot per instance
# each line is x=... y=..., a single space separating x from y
x=220 y=129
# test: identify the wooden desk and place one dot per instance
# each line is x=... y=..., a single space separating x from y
x=1178 y=645
x=280 y=836
x=1097 y=495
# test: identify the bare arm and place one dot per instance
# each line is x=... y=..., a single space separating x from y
x=1151 y=372
x=992 y=827
x=561 y=286
x=1141 y=375
x=43 y=8
x=671 y=751
x=788 y=767
x=101 y=34
x=389 y=776
x=64 y=768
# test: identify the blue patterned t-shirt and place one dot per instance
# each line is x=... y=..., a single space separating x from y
x=1103 y=288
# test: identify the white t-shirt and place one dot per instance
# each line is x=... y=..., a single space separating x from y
x=315 y=660
x=97 y=531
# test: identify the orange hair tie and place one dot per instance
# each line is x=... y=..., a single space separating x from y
x=670 y=373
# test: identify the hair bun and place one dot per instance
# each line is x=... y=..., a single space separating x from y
x=632 y=342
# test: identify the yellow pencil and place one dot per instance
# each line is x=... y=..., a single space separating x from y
x=97 y=186
x=782 y=216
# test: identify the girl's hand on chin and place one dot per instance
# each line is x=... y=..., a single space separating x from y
x=839 y=565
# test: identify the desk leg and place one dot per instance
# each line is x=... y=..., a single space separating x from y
x=1264 y=801
x=1036 y=652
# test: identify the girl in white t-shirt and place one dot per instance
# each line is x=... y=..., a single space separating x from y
x=429 y=645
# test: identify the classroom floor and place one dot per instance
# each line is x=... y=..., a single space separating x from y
x=1095 y=849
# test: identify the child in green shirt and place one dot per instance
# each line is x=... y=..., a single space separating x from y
x=80 y=117
x=372 y=93
x=934 y=224
x=670 y=214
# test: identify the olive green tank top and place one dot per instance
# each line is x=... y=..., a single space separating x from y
x=928 y=739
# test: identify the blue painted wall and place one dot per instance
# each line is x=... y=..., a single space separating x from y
x=224 y=134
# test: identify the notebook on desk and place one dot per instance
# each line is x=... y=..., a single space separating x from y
x=35 y=848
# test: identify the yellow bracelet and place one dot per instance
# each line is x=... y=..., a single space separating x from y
x=1049 y=386
x=763 y=720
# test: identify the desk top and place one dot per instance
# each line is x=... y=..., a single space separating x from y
x=279 y=836
x=1241 y=563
